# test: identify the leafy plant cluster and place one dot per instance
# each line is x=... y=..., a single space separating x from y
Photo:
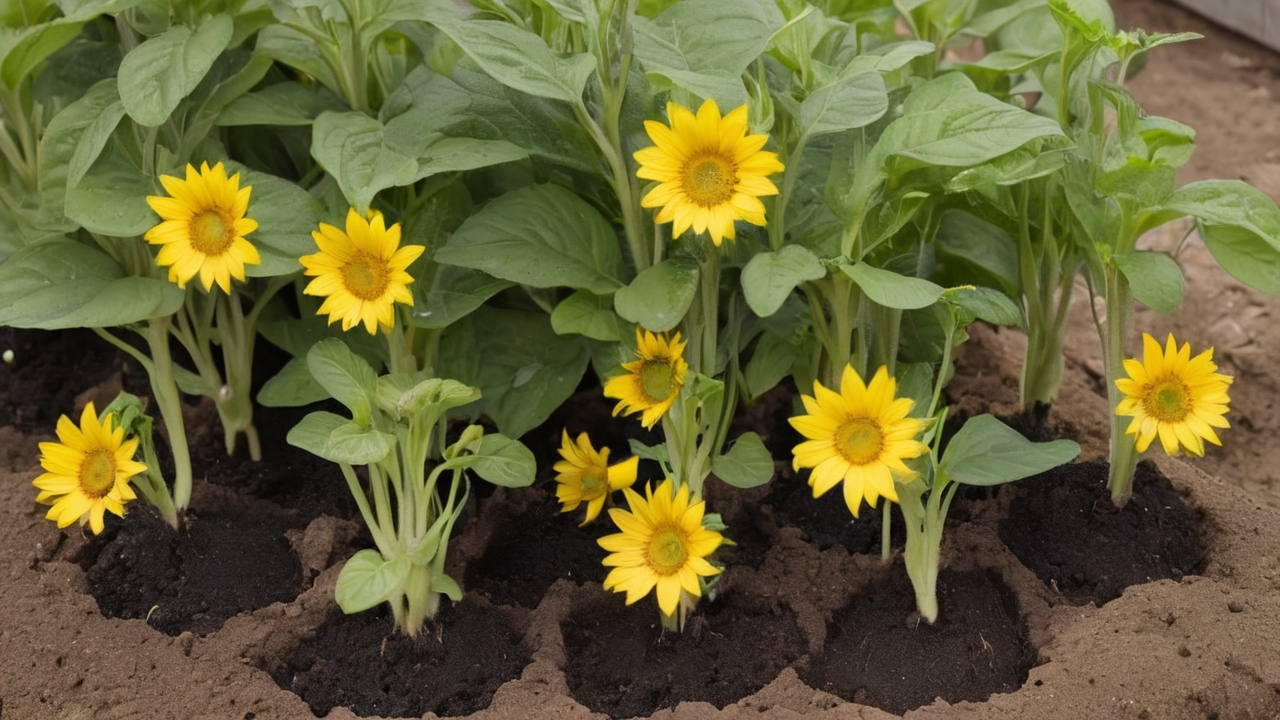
x=946 y=161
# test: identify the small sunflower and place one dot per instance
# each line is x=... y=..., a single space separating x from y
x=87 y=471
x=204 y=227
x=1174 y=396
x=860 y=436
x=662 y=544
x=584 y=475
x=360 y=273
x=711 y=172
x=650 y=385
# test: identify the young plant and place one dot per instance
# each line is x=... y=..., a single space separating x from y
x=396 y=431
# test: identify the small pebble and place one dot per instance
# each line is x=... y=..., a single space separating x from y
x=185 y=641
x=1235 y=607
x=1183 y=651
x=8 y=356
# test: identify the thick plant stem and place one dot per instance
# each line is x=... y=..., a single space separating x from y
x=420 y=601
x=1042 y=366
x=165 y=389
x=1124 y=452
x=924 y=519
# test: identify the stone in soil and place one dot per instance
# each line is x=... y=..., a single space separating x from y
x=1063 y=526
x=229 y=560
x=622 y=663
x=452 y=667
x=880 y=653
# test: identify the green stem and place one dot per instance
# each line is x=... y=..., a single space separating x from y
x=1124 y=452
x=623 y=187
x=886 y=520
x=165 y=389
x=151 y=483
x=777 y=226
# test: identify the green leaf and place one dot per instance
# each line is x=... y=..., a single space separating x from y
x=111 y=198
x=747 y=464
x=62 y=283
x=948 y=122
x=771 y=361
x=505 y=462
x=367 y=580
x=293 y=48
x=520 y=59
x=888 y=58
x=345 y=376
x=988 y=452
x=24 y=49
x=454 y=293
x=524 y=369
x=1240 y=225
x=850 y=102
x=658 y=298
x=704 y=46
x=63 y=135
x=984 y=303
x=286 y=216
x=160 y=72
x=541 y=236
x=971 y=249
x=339 y=440
x=350 y=147
x=1154 y=277
x=585 y=313
x=770 y=277
x=657 y=453
x=413 y=396
x=892 y=290
x=1252 y=259
x=285 y=104
x=293 y=386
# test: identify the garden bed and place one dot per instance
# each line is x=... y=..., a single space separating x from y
x=796 y=629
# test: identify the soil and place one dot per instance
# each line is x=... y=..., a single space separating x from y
x=1200 y=646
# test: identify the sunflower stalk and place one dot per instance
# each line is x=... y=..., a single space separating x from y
x=1119 y=318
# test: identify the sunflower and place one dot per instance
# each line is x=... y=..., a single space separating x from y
x=360 y=273
x=1175 y=396
x=87 y=472
x=860 y=435
x=584 y=475
x=204 y=227
x=662 y=543
x=711 y=172
x=650 y=385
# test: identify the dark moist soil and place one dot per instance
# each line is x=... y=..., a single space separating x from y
x=1064 y=527
x=453 y=667
x=232 y=559
x=49 y=369
x=534 y=545
x=621 y=663
x=880 y=653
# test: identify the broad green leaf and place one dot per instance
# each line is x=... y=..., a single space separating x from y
x=657 y=453
x=339 y=440
x=24 y=49
x=987 y=452
x=503 y=461
x=285 y=104
x=1252 y=259
x=971 y=249
x=658 y=298
x=892 y=290
x=585 y=313
x=456 y=154
x=63 y=135
x=704 y=46
x=367 y=580
x=983 y=303
x=747 y=464
x=948 y=122
x=160 y=72
x=1026 y=163
x=452 y=294
x=771 y=361
x=542 y=236
x=62 y=283
x=1154 y=277
x=520 y=59
x=293 y=386
x=345 y=376
x=524 y=369
x=770 y=277
x=351 y=147
x=286 y=216
x=1240 y=225
x=111 y=198
x=411 y=396
x=293 y=48
x=852 y=101
x=888 y=58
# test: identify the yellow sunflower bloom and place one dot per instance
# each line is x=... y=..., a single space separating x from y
x=662 y=544
x=1174 y=396
x=87 y=471
x=859 y=436
x=584 y=475
x=360 y=272
x=650 y=385
x=204 y=227
x=711 y=172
